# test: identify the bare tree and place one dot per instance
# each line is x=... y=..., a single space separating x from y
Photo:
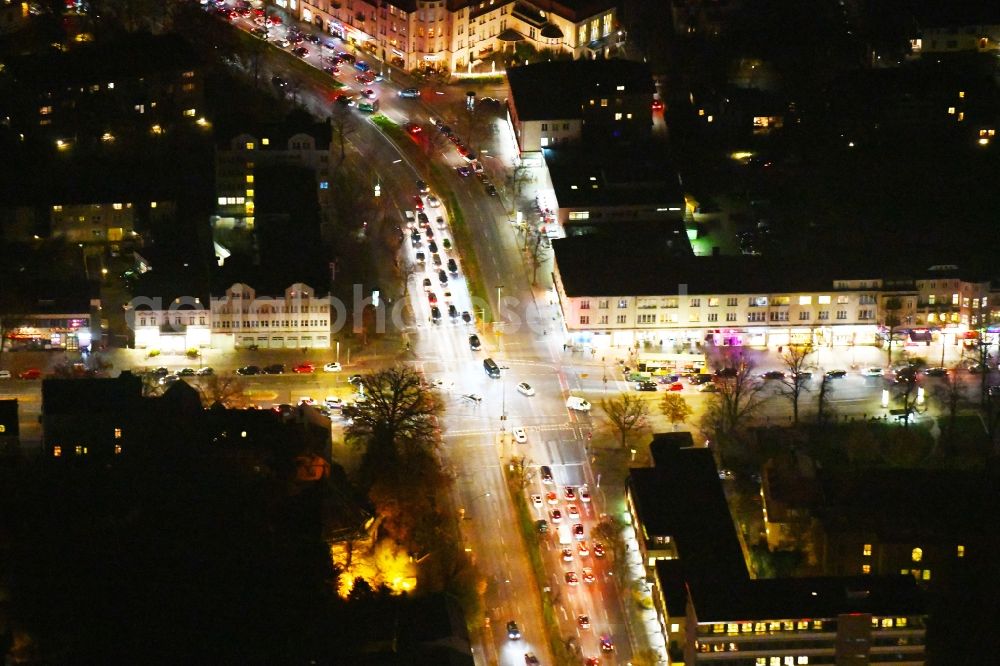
x=906 y=395
x=522 y=473
x=609 y=532
x=537 y=245
x=627 y=413
x=342 y=122
x=227 y=390
x=675 y=408
x=398 y=413
x=890 y=321
x=950 y=394
x=518 y=177
x=823 y=409
x=797 y=360
x=738 y=397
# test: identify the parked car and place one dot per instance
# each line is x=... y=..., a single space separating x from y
x=304 y=368
x=274 y=369
x=248 y=370
x=645 y=386
x=409 y=93
x=332 y=367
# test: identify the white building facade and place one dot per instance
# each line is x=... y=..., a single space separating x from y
x=296 y=319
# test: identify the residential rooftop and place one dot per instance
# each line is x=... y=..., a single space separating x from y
x=682 y=497
x=598 y=175
x=557 y=89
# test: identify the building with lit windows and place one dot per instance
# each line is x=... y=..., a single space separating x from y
x=95 y=91
x=295 y=319
x=242 y=153
x=711 y=611
x=456 y=35
x=657 y=300
x=101 y=420
x=931 y=524
x=598 y=100
x=653 y=298
x=949 y=27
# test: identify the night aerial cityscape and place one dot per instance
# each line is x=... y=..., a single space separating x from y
x=500 y=332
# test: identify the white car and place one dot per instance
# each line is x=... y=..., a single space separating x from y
x=577 y=404
x=433 y=201
x=573 y=512
x=525 y=389
x=519 y=435
x=333 y=402
x=332 y=367
x=536 y=500
x=441 y=223
x=873 y=372
x=584 y=494
x=4 y=374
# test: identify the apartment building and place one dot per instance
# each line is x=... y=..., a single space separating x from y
x=950 y=27
x=604 y=100
x=711 y=612
x=138 y=82
x=456 y=35
x=241 y=154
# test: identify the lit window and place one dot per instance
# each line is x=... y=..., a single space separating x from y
x=867 y=550
x=56 y=451
x=628 y=116
x=961 y=94
x=604 y=102
x=619 y=88
x=618 y=116
x=222 y=201
x=189 y=113
x=118 y=433
x=249 y=145
x=265 y=141
x=866 y=568
x=805 y=300
x=927 y=574
x=951 y=110
x=802 y=625
x=823 y=300
x=674 y=628
x=249 y=178
x=954 y=299
x=900 y=621
x=887 y=622
x=111 y=86
x=324 y=185
x=80 y=450
x=917 y=554
x=57 y=209
x=116 y=206
x=118 y=449
x=152 y=204
x=802 y=659
x=960 y=551
x=249 y=193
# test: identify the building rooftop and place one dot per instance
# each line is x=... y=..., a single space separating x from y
x=906 y=504
x=934 y=13
x=599 y=175
x=621 y=266
x=277 y=134
x=91 y=395
x=682 y=497
x=132 y=56
x=556 y=90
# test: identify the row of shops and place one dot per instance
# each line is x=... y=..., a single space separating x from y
x=684 y=350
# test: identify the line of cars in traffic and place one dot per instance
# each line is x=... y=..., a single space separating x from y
x=565 y=517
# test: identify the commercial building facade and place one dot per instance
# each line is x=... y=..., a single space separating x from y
x=676 y=305
x=241 y=318
x=456 y=35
